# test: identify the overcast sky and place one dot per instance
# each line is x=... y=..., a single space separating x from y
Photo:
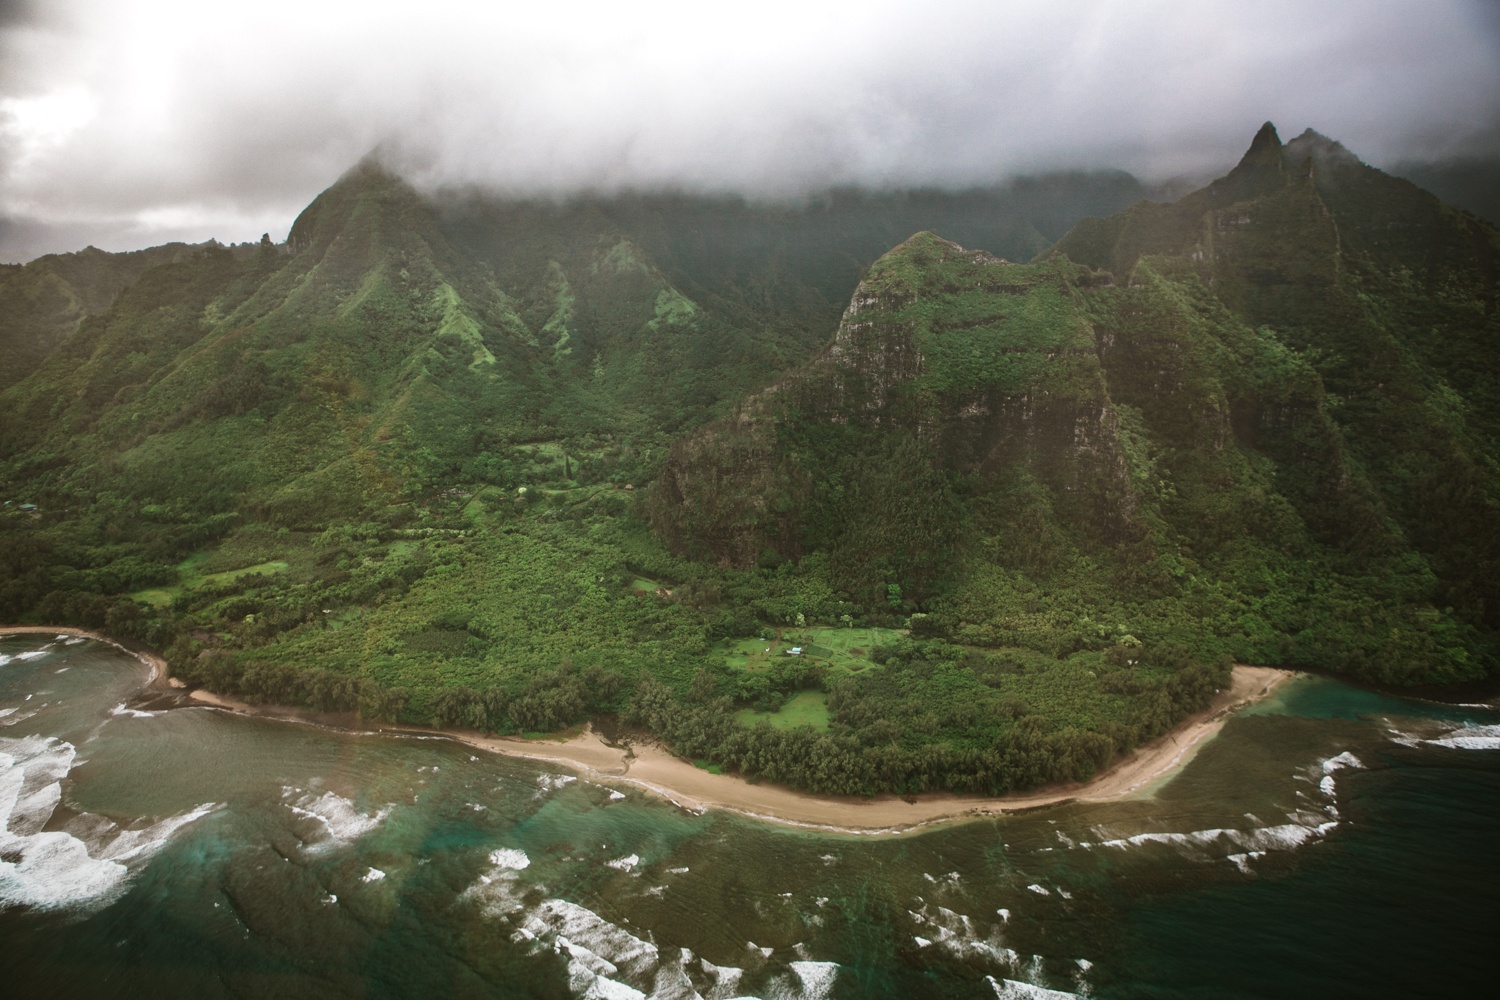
x=124 y=123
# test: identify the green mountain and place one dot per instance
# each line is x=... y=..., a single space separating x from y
x=511 y=464
x=1262 y=418
x=43 y=302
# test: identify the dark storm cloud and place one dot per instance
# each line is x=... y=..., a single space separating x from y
x=153 y=118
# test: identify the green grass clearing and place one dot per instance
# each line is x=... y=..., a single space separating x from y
x=805 y=708
x=157 y=597
x=229 y=576
x=190 y=577
x=844 y=649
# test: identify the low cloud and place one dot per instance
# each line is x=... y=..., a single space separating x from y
x=146 y=119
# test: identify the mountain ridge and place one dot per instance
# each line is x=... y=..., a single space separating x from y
x=507 y=465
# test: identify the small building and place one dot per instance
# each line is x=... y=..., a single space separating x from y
x=794 y=651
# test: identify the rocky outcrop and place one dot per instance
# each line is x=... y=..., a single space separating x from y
x=989 y=367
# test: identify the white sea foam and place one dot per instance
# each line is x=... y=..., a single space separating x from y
x=88 y=862
x=604 y=961
x=961 y=937
x=338 y=821
x=34 y=654
x=6 y=711
x=552 y=782
x=497 y=891
x=726 y=979
x=615 y=796
x=120 y=709
x=1343 y=760
x=1039 y=890
x=1010 y=989
x=1242 y=861
x=1239 y=846
x=1469 y=737
x=1281 y=837
x=11 y=718
x=511 y=858
x=373 y=875
x=815 y=978
x=583 y=930
x=625 y=864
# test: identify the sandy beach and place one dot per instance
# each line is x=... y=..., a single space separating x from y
x=657 y=770
x=651 y=767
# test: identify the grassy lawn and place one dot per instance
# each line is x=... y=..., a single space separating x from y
x=157 y=597
x=805 y=708
x=229 y=576
x=190 y=577
x=844 y=649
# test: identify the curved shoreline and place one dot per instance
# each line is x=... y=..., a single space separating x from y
x=159 y=675
x=654 y=769
x=657 y=770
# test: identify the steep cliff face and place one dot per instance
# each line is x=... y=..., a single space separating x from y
x=952 y=373
x=1282 y=378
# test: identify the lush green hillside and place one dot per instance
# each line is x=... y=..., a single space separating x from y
x=43 y=302
x=1257 y=422
x=510 y=464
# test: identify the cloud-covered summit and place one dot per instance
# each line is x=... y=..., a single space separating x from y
x=124 y=122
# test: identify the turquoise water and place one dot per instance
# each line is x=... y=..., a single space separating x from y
x=1332 y=843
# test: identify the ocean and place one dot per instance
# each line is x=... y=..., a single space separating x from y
x=1328 y=842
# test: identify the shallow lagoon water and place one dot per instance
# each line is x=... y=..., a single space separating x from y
x=1330 y=843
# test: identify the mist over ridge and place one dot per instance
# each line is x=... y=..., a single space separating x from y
x=127 y=124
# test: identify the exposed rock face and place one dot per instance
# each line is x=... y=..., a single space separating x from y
x=1289 y=373
x=988 y=367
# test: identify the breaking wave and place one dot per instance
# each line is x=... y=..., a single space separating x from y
x=1469 y=737
x=87 y=862
x=332 y=818
x=1240 y=846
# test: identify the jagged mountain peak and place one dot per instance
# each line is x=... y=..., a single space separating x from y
x=1260 y=170
x=1264 y=145
x=1323 y=151
x=369 y=189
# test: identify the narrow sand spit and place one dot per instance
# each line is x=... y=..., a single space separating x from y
x=657 y=770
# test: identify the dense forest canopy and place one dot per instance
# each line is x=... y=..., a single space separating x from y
x=508 y=465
